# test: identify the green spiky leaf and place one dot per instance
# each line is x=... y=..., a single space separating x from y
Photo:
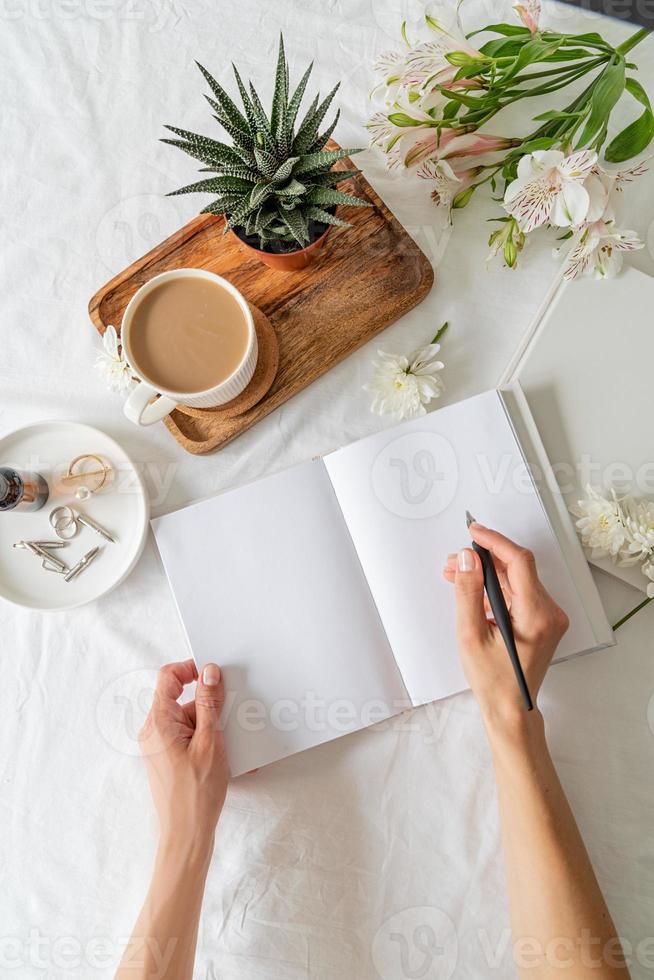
x=326 y=195
x=259 y=193
x=319 y=214
x=225 y=105
x=296 y=98
x=309 y=129
x=280 y=94
x=323 y=160
x=293 y=189
x=266 y=161
x=324 y=138
x=297 y=225
x=215 y=185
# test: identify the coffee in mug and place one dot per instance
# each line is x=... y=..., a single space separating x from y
x=189 y=337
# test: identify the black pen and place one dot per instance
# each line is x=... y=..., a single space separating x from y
x=501 y=613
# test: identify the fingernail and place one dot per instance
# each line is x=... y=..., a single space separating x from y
x=211 y=675
x=466 y=560
x=481 y=527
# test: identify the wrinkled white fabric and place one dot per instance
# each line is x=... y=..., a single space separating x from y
x=377 y=855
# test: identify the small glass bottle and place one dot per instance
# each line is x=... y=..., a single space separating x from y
x=20 y=490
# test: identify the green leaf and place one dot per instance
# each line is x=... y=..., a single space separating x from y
x=260 y=193
x=638 y=134
x=530 y=53
x=508 y=30
x=332 y=177
x=242 y=138
x=204 y=149
x=296 y=98
x=296 y=224
x=227 y=107
x=245 y=98
x=322 y=160
x=555 y=114
x=263 y=125
x=323 y=138
x=591 y=38
x=222 y=205
x=326 y=195
x=308 y=131
x=284 y=171
x=502 y=47
x=280 y=94
x=215 y=185
x=239 y=214
x=540 y=143
x=293 y=189
x=303 y=128
x=606 y=92
x=318 y=214
x=266 y=161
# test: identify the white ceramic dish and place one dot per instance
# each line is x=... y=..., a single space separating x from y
x=122 y=509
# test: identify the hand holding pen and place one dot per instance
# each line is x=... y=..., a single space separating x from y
x=537 y=622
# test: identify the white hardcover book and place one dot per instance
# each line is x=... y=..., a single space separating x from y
x=586 y=370
x=319 y=589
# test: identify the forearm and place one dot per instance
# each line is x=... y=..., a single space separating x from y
x=561 y=925
x=162 y=946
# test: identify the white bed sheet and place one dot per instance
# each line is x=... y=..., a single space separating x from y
x=321 y=859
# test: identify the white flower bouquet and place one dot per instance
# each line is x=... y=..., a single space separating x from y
x=619 y=528
x=440 y=91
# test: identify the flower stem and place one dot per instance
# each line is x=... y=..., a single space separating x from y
x=632 y=41
x=440 y=332
x=632 y=612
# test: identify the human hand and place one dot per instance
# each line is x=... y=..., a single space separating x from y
x=184 y=753
x=538 y=625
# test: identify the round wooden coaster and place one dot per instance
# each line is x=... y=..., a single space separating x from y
x=262 y=379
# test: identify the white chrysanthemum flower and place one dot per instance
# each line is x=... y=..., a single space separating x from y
x=111 y=362
x=640 y=528
x=550 y=187
x=648 y=570
x=601 y=524
x=401 y=386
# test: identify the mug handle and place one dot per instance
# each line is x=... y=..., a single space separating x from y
x=140 y=409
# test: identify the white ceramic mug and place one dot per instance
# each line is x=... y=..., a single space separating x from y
x=147 y=404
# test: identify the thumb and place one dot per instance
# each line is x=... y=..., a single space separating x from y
x=209 y=699
x=471 y=621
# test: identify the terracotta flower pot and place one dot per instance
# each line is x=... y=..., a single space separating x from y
x=287 y=261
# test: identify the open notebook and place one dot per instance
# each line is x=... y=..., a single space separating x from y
x=319 y=589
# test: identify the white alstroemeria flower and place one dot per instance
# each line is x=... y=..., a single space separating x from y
x=395 y=129
x=550 y=187
x=111 y=362
x=392 y=67
x=529 y=13
x=601 y=524
x=599 y=250
x=402 y=386
x=446 y=183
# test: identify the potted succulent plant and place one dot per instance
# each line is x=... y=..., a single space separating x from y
x=274 y=184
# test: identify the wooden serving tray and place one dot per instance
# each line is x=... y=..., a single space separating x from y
x=365 y=278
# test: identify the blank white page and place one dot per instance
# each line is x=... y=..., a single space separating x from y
x=269 y=586
x=404 y=493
